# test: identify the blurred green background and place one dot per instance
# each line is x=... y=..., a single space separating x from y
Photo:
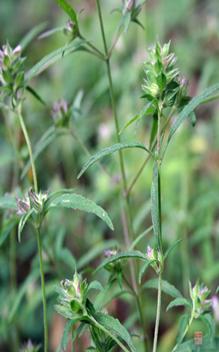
x=190 y=177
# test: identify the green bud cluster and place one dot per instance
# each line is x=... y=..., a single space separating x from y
x=11 y=74
x=163 y=84
x=72 y=297
x=199 y=294
x=155 y=258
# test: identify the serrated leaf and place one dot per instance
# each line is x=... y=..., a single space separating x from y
x=180 y=301
x=77 y=202
x=190 y=107
x=108 y=151
x=69 y=10
x=156 y=204
x=116 y=328
x=53 y=57
x=165 y=286
x=122 y=256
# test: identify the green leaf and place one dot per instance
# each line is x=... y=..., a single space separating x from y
x=156 y=204
x=122 y=256
x=108 y=151
x=184 y=319
x=190 y=107
x=35 y=95
x=69 y=10
x=76 y=201
x=116 y=328
x=142 y=271
x=145 y=112
x=165 y=286
x=180 y=301
x=65 y=336
x=32 y=34
x=51 y=32
x=22 y=222
x=53 y=57
x=209 y=323
x=140 y=237
x=169 y=250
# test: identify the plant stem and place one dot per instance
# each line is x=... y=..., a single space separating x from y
x=27 y=139
x=186 y=329
x=127 y=220
x=39 y=244
x=157 y=323
x=107 y=332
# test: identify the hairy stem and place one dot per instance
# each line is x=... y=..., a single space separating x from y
x=39 y=244
x=27 y=139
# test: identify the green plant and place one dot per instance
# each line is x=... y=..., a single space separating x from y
x=167 y=105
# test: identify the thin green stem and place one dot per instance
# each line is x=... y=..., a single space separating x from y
x=39 y=244
x=157 y=323
x=186 y=329
x=127 y=223
x=27 y=139
x=108 y=333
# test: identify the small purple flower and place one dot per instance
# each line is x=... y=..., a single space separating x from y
x=110 y=253
x=150 y=253
x=23 y=206
x=59 y=110
x=17 y=50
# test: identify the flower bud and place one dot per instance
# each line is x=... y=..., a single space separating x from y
x=23 y=206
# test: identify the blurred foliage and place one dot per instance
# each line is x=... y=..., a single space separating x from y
x=190 y=179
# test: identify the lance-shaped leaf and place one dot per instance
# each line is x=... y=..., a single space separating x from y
x=53 y=57
x=122 y=256
x=108 y=151
x=76 y=201
x=180 y=301
x=156 y=204
x=166 y=287
x=22 y=222
x=191 y=106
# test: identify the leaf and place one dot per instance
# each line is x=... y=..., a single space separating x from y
x=190 y=107
x=145 y=112
x=169 y=250
x=51 y=32
x=108 y=151
x=76 y=201
x=69 y=10
x=180 y=301
x=122 y=256
x=184 y=319
x=32 y=34
x=140 y=237
x=142 y=271
x=22 y=223
x=116 y=328
x=165 y=286
x=65 y=336
x=155 y=204
x=35 y=95
x=53 y=57
x=209 y=323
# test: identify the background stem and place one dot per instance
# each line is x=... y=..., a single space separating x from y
x=39 y=244
x=157 y=323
